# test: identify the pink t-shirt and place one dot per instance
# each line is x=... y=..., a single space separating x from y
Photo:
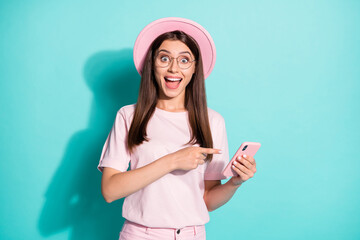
x=176 y=199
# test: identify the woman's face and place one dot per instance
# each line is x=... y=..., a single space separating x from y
x=172 y=80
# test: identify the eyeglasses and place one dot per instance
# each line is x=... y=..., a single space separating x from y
x=164 y=60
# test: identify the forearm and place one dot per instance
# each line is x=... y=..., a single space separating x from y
x=219 y=195
x=125 y=183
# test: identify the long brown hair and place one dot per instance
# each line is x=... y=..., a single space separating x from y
x=195 y=97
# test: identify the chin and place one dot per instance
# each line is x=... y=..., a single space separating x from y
x=172 y=93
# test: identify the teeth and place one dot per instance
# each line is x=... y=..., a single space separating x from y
x=173 y=79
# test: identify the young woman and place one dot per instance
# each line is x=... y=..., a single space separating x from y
x=177 y=146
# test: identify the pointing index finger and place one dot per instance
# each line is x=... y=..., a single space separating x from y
x=211 y=150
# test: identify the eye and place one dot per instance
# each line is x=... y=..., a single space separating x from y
x=184 y=59
x=164 y=58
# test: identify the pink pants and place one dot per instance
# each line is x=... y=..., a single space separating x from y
x=134 y=231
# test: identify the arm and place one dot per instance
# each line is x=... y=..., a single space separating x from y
x=217 y=194
x=116 y=184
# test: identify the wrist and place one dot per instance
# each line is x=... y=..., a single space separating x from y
x=168 y=162
x=234 y=184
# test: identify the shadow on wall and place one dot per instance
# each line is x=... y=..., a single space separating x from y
x=73 y=199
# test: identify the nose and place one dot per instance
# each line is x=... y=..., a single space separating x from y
x=173 y=67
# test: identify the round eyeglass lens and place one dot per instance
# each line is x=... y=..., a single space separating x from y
x=164 y=60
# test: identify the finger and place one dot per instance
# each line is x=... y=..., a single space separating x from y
x=201 y=156
x=246 y=163
x=241 y=174
x=244 y=169
x=210 y=150
x=201 y=162
x=249 y=158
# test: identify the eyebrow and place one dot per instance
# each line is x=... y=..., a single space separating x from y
x=170 y=52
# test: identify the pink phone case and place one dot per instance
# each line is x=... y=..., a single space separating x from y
x=251 y=149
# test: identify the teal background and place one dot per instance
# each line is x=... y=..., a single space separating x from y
x=287 y=75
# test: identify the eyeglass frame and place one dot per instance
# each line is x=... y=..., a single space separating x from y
x=171 y=60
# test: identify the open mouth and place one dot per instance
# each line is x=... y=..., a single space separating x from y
x=172 y=79
x=172 y=83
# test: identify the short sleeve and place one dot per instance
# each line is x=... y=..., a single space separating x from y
x=114 y=153
x=219 y=161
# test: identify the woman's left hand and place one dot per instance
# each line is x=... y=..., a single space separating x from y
x=245 y=166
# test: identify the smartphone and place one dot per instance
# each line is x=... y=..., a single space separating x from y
x=248 y=148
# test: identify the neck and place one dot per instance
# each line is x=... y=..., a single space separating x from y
x=171 y=105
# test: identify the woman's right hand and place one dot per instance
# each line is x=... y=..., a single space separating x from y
x=190 y=157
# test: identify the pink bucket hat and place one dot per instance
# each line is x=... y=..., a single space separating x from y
x=163 y=25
